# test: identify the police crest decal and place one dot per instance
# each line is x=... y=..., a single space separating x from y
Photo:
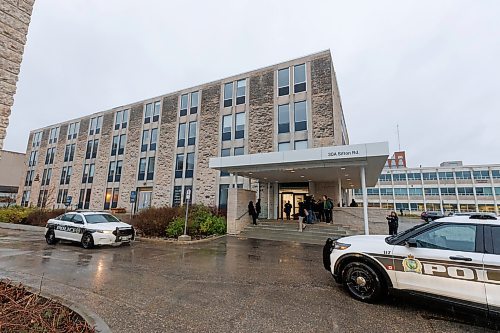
x=410 y=264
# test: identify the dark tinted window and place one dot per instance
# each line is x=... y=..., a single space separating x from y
x=100 y=218
x=67 y=217
x=455 y=237
x=77 y=218
x=495 y=235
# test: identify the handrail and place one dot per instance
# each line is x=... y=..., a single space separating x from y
x=239 y=218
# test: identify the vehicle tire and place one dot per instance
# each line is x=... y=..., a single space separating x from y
x=50 y=237
x=87 y=241
x=363 y=282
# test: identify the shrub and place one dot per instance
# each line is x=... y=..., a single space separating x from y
x=40 y=217
x=14 y=214
x=154 y=221
x=213 y=225
x=175 y=228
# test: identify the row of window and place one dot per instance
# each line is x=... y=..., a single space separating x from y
x=92 y=147
x=189 y=102
x=149 y=139
x=448 y=175
x=465 y=191
x=181 y=134
x=297 y=145
x=299 y=116
x=186 y=161
x=146 y=168
x=239 y=126
x=229 y=95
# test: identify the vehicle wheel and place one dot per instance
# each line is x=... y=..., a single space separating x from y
x=50 y=237
x=363 y=282
x=87 y=241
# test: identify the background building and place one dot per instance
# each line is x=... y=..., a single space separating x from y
x=450 y=187
x=15 y=18
x=160 y=147
x=11 y=170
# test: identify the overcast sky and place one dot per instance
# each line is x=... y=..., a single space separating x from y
x=433 y=67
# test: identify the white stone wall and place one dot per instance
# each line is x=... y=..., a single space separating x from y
x=237 y=209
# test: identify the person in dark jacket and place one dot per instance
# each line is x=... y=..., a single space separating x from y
x=328 y=208
x=393 y=221
x=288 y=209
x=353 y=203
x=252 y=212
x=258 y=209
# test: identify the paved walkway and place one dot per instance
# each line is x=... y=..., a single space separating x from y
x=228 y=285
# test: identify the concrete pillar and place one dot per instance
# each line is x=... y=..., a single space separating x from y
x=365 y=199
x=237 y=209
x=340 y=192
x=268 y=201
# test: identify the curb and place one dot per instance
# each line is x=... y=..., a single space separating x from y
x=24 y=227
x=90 y=317
x=171 y=241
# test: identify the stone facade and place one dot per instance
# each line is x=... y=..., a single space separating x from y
x=15 y=16
x=251 y=115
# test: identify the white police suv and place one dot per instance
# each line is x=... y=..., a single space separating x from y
x=454 y=259
x=89 y=229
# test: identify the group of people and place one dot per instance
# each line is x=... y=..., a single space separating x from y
x=313 y=211
x=254 y=211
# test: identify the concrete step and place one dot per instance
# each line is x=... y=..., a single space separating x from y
x=307 y=230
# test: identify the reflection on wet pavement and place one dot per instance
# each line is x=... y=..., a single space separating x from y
x=227 y=285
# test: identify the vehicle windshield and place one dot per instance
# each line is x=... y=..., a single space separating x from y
x=100 y=218
x=390 y=239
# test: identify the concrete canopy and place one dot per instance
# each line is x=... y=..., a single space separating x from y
x=323 y=164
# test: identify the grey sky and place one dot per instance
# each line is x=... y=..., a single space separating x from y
x=431 y=66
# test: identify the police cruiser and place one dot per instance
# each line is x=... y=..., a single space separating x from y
x=89 y=229
x=454 y=259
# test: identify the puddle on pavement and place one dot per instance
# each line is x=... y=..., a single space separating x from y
x=12 y=252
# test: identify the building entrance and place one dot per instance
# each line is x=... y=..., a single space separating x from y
x=293 y=192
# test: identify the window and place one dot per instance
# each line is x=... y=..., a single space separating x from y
x=239 y=151
x=283 y=146
x=33 y=158
x=62 y=194
x=156 y=111
x=184 y=105
x=449 y=237
x=385 y=178
x=121 y=119
x=371 y=191
x=67 y=150
x=302 y=144
x=429 y=176
x=241 y=91
x=145 y=140
x=114 y=145
x=94 y=149
x=73 y=129
x=484 y=191
x=283 y=81
x=386 y=191
x=223 y=188
x=49 y=157
x=189 y=165
x=151 y=168
x=69 y=171
x=495 y=174
x=431 y=191
x=95 y=125
x=300 y=116
x=179 y=165
x=118 y=171
x=399 y=177
x=448 y=191
x=42 y=198
x=26 y=198
x=283 y=118
x=192 y=133
x=181 y=135
x=497 y=190
x=63 y=176
x=142 y=169
x=107 y=198
x=465 y=191
x=87 y=199
x=445 y=175
x=240 y=126
x=37 y=138
x=92 y=146
x=47 y=174
x=114 y=202
x=154 y=139
x=176 y=200
x=111 y=171
x=29 y=178
x=228 y=94
x=148 y=112
x=53 y=135
x=121 y=147
x=194 y=103
x=223 y=153
x=484 y=174
x=88 y=152
x=88 y=173
x=227 y=126
x=414 y=176
x=495 y=235
x=401 y=192
x=463 y=175
x=299 y=78
x=415 y=191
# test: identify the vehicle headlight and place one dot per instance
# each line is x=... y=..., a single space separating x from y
x=105 y=231
x=341 y=246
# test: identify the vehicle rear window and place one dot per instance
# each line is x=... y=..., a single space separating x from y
x=100 y=218
x=495 y=234
x=67 y=217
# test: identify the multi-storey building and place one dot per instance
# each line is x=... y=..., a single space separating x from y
x=11 y=166
x=160 y=147
x=451 y=187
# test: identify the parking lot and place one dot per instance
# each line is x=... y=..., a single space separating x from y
x=227 y=285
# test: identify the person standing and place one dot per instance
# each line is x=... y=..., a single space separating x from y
x=393 y=221
x=327 y=208
x=258 y=209
x=288 y=209
x=252 y=212
x=401 y=212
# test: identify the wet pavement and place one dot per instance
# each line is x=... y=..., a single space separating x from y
x=227 y=285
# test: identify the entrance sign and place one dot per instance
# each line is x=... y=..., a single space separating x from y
x=68 y=200
x=133 y=196
x=188 y=194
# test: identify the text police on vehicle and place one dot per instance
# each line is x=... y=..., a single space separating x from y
x=453 y=259
x=89 y=229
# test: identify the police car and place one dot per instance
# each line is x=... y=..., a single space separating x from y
x=89 y=229
x=454 y=259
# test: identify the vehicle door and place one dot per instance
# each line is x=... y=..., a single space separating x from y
x=492 y=267
x=61 y=228
x=77 y=224
x=445 y=260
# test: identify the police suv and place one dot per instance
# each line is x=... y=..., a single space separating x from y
x=89 y=229
x=454 y=259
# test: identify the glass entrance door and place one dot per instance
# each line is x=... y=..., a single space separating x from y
x=294 y=199
x=144 y=200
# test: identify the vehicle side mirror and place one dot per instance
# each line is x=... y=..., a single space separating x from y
x=411 y=242
x=78 y=222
